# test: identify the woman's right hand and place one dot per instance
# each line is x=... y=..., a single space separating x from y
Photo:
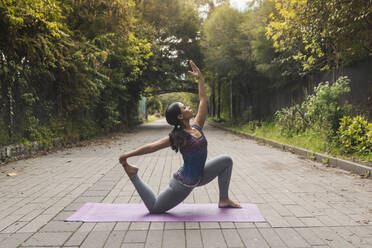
x=195 y=70
x=123 y=159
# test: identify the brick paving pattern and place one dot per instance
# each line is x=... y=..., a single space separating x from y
x=305 y=204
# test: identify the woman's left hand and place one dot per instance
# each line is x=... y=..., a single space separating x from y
x=195 y=70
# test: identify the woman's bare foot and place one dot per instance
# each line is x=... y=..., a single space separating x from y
x=227 y=203
x=130 y=169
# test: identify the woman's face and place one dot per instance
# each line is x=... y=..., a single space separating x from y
x=186 y=111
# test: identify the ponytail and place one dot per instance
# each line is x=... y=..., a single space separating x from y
x=178 y=138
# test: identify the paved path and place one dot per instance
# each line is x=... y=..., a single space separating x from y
x=305 y=204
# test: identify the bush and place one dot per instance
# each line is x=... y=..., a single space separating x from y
x=355 y=135
x=320 y=111
x=41 y=134
x=290 y=121
x=323 y=110
x=251 y=126
x=88 y=129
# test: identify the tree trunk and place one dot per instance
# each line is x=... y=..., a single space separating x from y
x=59 y=96
x=213 y=101
x=219 y=101
x=231 y=102
x=11 y=101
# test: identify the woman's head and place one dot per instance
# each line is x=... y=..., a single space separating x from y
x=177 y=113
x=173 y=113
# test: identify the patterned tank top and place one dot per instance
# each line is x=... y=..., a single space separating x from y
x=194 y=155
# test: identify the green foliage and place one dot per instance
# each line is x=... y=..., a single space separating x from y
x=323 y=109
x=320 y=111
x=355 y=135
x=325 y=161
x=247 y=115
x=78 y=68
x=322 y=34
x=112 y=115
x=310 y=156
x=150 y=118
x=80 y=62
x=251 y=126
x=173 y=28
x=44 y=135
x=4 y=135
x=154 y=105
x=186 y=98
x=87 y=129
x=220 y=39
x=220 y=43
x=290 y=120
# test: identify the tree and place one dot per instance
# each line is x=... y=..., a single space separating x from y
x=116 y=56
x=173 y=29
x=77 y=62
x=322 y=34
x=32 y=37
x=221 y=42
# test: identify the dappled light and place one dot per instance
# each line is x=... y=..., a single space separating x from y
x=74 y=70
x=186 y=123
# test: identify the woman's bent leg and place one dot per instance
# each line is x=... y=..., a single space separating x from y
x=148 y=197
x=169 y=198
x=220 y=166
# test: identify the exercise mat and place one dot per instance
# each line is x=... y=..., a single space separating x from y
x=108 y=212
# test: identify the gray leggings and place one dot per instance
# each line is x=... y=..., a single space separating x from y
x=176 y=192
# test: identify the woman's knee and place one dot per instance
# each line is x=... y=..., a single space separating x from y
x=160 y=209
x=226 y=160
x=156 y=211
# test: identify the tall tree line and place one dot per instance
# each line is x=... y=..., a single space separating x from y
x=75 y=69
x=274 y=43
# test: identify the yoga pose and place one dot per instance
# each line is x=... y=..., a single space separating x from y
x=191 y=142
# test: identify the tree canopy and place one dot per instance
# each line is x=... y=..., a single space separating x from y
x=75 y=69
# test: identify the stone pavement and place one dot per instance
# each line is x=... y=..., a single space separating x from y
x=305 y=204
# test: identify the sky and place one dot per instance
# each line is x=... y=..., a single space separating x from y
x=239 y=4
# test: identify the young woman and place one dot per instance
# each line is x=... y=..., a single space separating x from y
x=191 y=142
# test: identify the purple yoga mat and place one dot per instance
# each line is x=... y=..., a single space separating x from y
x=107 y=212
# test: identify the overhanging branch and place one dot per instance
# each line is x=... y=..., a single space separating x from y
x=183 y=86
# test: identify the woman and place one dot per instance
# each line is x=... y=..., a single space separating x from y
x=191 y=142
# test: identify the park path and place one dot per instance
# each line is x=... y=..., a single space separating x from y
x=305 y=204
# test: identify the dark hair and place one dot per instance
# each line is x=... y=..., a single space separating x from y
x=178 y=137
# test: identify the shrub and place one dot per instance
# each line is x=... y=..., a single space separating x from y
x=88 y=129
x=290 y=121
x=320 y=111
x=355 y=135
x=323 y=109
x=251 y=126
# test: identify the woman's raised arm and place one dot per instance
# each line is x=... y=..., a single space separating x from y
x=201 y=116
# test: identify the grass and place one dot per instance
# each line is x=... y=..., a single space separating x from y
x=309 y=140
